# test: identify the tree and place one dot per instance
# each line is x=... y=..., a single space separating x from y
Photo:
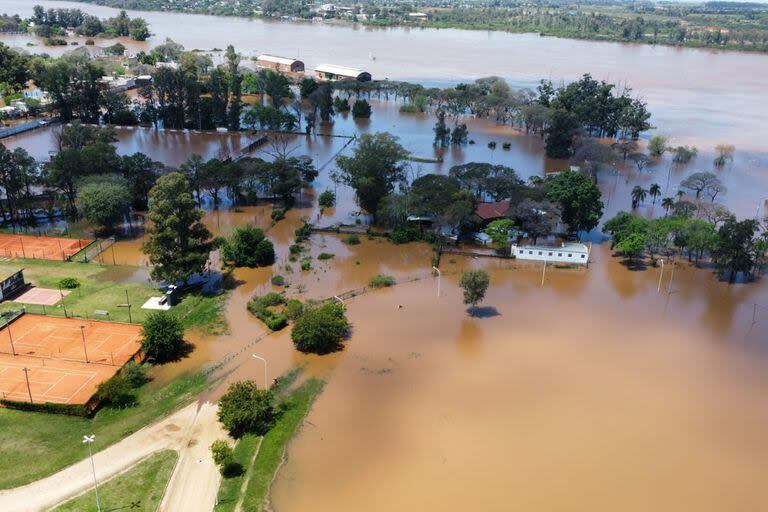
x=248 y=247
x=579 y=200
x=654 y=191
x=638 y=195
x=162 y=337
x=698 y=182
x=560 y=133
x=178 y=243
x=622 y=226
x=632 y=246
x=14 y=70
x=537 y=218
x=104 y=202
x=246 y=409
x=640 y=160
x=475 y=284
x=320 y=328
x=498 y=230
x=657 y=146
x=442 y=132
x=18 y=172
x=432 y=194
x=141 y=173
x=375 y=168
x=667 y=203
x=683 y=154
x=327 y=199
x=192 y=169
x=735 y=248
x=235 y=89
x=222 y=455
x=361 y=109
x=724 y=153
x=697 y=236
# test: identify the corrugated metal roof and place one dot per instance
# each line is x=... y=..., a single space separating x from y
x=339 y=70
x=276 y=59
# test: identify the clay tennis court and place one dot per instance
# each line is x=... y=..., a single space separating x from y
x=40 y=247
x=52 y=350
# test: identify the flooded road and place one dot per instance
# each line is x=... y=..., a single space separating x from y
x=704 y=97
x=592 y=392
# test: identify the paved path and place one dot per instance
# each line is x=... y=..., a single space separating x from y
x=194 y=483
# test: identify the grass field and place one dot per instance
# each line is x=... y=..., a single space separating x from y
x=104 y=288
x=141 y=488
x=35 y=445
x=295 y=407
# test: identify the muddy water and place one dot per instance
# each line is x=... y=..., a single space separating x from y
x=703 y=95
x=589 y=393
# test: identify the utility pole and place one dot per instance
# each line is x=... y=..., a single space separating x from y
x=658 y=288
x=10 y=337
x=82 y=333
x=89 y=440
x=26 y=377
x=128 y=301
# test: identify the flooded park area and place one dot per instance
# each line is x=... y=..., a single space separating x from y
x=566 y=389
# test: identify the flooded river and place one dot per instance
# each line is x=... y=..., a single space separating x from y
x=703 y=97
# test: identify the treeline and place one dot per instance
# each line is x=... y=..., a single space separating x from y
x=86 y=177
x=52 y=23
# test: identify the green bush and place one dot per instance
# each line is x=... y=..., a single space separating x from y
x=381 y=281
x=116 y=392
x=295 y=248
x=222 y=453
x=293 y=308
x=320 y=329
x=327 y=199
x=361 y=109
x=259 y=307
x=69 y=283
x=304 y=231
x=163 y=337
x=325 y=256
x=135 y=374
x=278 y=280
x=245 y=409
x=404 y=233
x=278 y=214
x=492 y=144
x=248 y=247
x=409 y=109
x=351 y=239
x=306 y=264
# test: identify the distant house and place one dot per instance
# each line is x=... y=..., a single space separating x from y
x=418 y=15
x=332 y=72
x=280 y=64
x=487 y=212
x=566 y=253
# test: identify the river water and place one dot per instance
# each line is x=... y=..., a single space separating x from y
x=591 y=391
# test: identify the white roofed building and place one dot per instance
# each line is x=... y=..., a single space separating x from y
x=332 y=72
x=281 y=64
x=574 y=253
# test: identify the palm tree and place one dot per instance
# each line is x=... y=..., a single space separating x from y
x=638 y=195
x=667 y=203
x=654 y=191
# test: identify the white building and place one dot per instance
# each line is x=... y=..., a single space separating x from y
x=567 y=253
x=332 y=72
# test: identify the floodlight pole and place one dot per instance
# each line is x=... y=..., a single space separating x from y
x=10 y=337
x=672 y=276
x=128 y=301
x=439 y=278
x=82 y=333
x=266 y=386
x=89 y=440
x=26 y=377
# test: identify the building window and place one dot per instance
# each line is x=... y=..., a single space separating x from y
x=550 y=254
x=560 y=255
x=539 y=253
x=570 y=255
x=582 y=256
x=522 y=251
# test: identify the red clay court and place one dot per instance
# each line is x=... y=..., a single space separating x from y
x=52 y=351
x=40 y=247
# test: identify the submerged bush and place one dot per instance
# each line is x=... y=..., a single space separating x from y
x=351 y=239
x=381 y=281
x=319 y=329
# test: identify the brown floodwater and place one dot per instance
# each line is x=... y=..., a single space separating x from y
x=700 y=96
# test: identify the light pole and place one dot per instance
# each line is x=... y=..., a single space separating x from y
x=672 y=276
x=543 y=272
x=266 y=386
x=82 y=333
x=439 y=278
x=10 y=337
x=89 y=440
x=29 y=389
x=658 y=288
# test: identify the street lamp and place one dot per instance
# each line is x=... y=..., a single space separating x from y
x=89 y=440
x=658 y=288
x=82 y=333
x=265 y=369
x=439 y=278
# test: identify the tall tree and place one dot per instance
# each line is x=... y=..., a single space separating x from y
x=579 y=200
x=235 y=86
x=475 y=284
x=179 y=244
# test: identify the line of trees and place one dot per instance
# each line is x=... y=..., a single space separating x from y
x=55 y=22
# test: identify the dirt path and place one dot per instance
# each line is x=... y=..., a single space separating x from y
x=194 y=482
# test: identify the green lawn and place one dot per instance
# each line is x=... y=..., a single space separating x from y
x=295 y=407
x=141 y=488
x=34 y=445
x=104 y=288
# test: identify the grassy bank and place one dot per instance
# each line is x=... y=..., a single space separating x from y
x=35 y=445
x=104 y=288
x=295 y=407
x=143 y=485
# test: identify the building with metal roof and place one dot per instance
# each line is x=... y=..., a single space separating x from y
x=332 y=72
x=281 y=64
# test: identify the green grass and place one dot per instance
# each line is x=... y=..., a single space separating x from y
x=35 y=445
x=295 y=408
x=144 y=484
x=104 y=288
x=229 y=491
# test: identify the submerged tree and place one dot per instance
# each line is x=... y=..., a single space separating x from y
x=475 y=284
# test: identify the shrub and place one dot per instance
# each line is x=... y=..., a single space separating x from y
x=278 y=280
x=381 y=281
x=319 y=329
x=293 y=309
x=325 y=256
x=246 y=409
x=276 y=321
x=295 y=248
x=492 y=144
x=327 y=199
x=272 y=318
x=222 y=453
x=69 y=283
x=351 y=239
x=304 y=231
x=306 y=264
x=404 y=233
x=116 y=392
x=341 y=104
x=278 y=214
x=248 y=247
x=506 y=145
x=163 y=337
x=361 y=109
x=409 y=109
x=135 y=374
